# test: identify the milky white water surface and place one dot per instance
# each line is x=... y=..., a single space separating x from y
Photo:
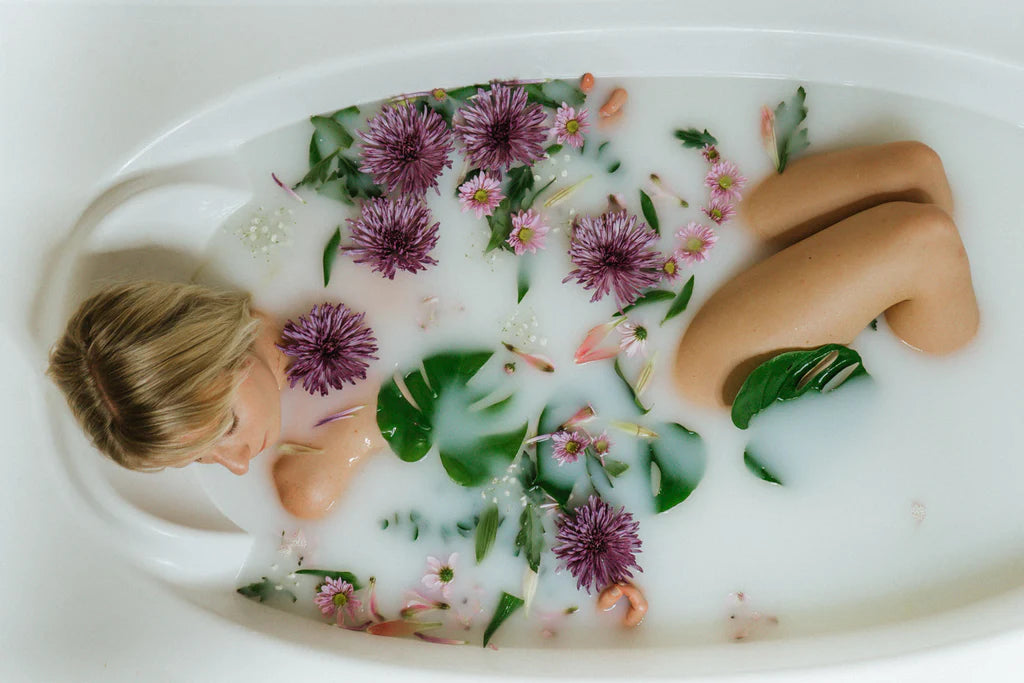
x=901 y=496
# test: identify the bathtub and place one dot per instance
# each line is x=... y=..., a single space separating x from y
x=121 y=576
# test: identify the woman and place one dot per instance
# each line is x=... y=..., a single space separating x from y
x=164 y=375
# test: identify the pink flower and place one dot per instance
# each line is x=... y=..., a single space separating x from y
x=569 y=446
x=710 y=154
x=768 y=140
x=670 y=268
x=528 y=232
x=588 y=351
x=481 y=194
x=697 y=241
x=440 y=575
x=534 y=360
x=634 y=338
x=336 y=598
x=570 y=126
x=602 y=445
x=725 y=181
x=719 y=210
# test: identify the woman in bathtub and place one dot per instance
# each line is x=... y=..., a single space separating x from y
x=164 y=375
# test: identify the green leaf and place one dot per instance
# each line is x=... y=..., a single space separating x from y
x=522 y=280
x=331 y=574
x=465 y=92
x=530 y=538
x=650 y=215
x=262 y=590
x=600 y=148
x=359 y=184
x=318 y=172
x=330 y=253
x=651 y=296
x=693 y=138
x=615 y=468
x=790 y=138
x=329 y=135
x=535 y=93
x=553 y=150
x=473 y=463
x=520 y=182
x=336 y=189
x=500 y=222
x=314 y=151
x=677 y=459
x=680 y=303
x=758 y=468
x=529 y=202
x=791 y=375
x=486 y=531
x=632 y=392
x=615 y=166
x=559 y=90
x=507 y=605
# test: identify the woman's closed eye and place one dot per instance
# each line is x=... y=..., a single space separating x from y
x=234 y=425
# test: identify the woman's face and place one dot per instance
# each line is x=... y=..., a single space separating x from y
x=257 y=418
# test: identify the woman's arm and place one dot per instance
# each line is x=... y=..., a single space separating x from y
x=310 y=484
x=902 y=258
x=822 y=189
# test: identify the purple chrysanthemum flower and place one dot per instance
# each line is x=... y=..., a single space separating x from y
x=501 y=127
x=697 y=241
x=481 y=193
x=719 y=210
x=598 y=544
x=570 y=126
x=336 y=598
x=393 y=235
x=528 y=232
x=710 y=154
x=568 y=446
x=330 y=347
x=613 y=252
x=725 y=181
x=406 y=150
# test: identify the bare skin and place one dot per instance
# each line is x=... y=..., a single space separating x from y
x=902 y=258
x=637 y=602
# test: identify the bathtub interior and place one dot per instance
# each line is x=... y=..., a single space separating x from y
x=164 y=205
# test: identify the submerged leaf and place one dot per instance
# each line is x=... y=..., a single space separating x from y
x=758 y=469
x=791 y=375
x=681 y=301
x=486 y=531
x=530 y=538
x=677 y=460
x=264 y=589
x=632 y=390
x=331 y=574
x=789 y=136
x=650 y=214
x=507 y=605
x=693 y=138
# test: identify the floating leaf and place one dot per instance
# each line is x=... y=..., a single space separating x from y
x=331 y=253
x=336 y=189
x=331 y=574
x=759 y=469
x=559 y=90
x=507 y=605
x=486 y=531
x=520 y=181
x=791 y=375
x=651 y=296
x=522 y=280
x=408 y=423
x=264 y=589
x=632 y=391
x=681 y=301
x=319 y=172
x=615 y=468
x=693 y=138
x=650 y=215
x=330 y=136
x=500 y=223
x=359 y=184
x=614 y=166
x=553 y=150
x=790 y=137
x=677 y=459
x=530 y=538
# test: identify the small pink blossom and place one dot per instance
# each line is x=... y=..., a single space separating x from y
x=569 y=446
x=570 y=126
x=725 y=181
x=528 y=232
x=697 y=241
x=719 y=210
x=602 y=444
x=768 y=139
x=670 y=268
x=634 y=338
x=710 y=154
x=336 y=598
x=440 y=575
x=481 y=193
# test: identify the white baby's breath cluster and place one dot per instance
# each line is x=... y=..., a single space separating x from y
x=266 y=231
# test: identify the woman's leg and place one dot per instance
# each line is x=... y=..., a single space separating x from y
x=902 y=258
x=822 y=189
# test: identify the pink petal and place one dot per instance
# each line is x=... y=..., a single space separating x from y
x=584 y=414
x=294 y=195
x=436 y=639
x=398 y=628
x=348 y=412
x=535 y=360
x=434 y=563
x=594 y=337
x=598 y=354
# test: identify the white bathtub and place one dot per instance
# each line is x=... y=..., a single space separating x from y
x=120 y=576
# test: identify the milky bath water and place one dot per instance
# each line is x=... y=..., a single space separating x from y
x=900 y=494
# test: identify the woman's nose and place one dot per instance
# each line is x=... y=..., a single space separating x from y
x=235 y=459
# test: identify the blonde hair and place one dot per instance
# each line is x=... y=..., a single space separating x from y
x=150 y=369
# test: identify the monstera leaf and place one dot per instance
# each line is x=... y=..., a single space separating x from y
x=410 y=420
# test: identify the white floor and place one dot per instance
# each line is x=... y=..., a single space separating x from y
x=84 y=87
